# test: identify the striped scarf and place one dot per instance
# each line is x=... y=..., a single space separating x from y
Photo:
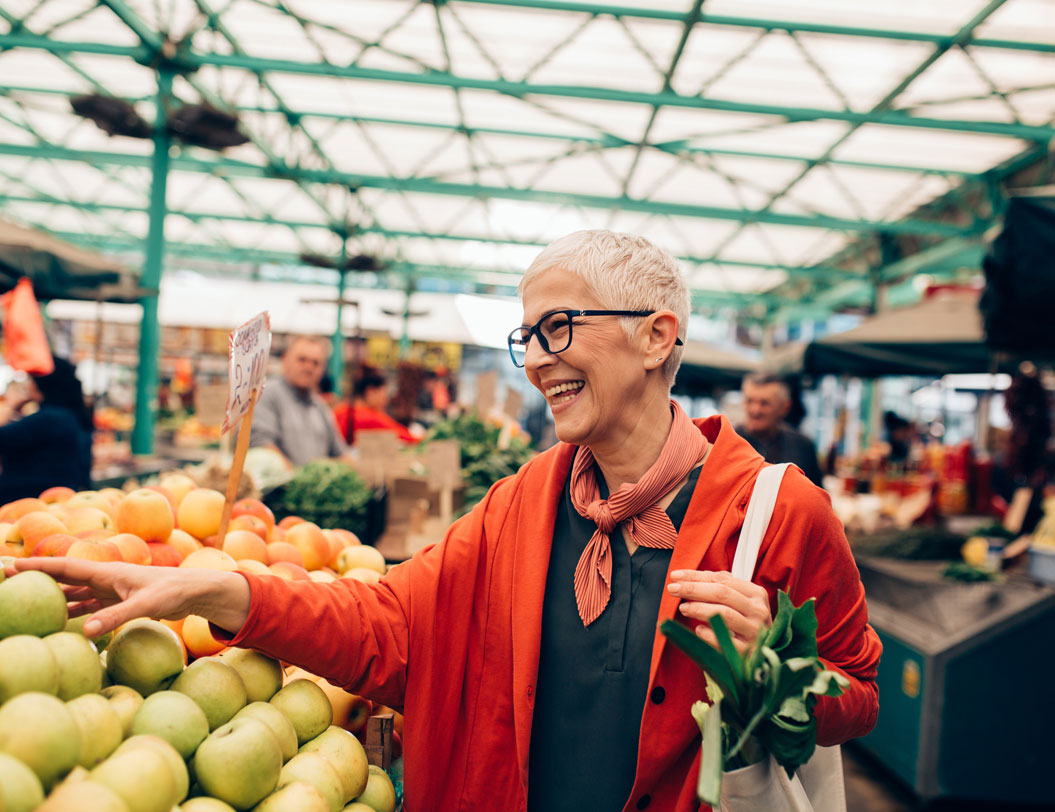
x=634 y=505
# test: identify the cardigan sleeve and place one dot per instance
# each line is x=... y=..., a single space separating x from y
x=806 y=553
x=358 y=635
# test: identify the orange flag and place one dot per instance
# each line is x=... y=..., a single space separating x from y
x=26 y=345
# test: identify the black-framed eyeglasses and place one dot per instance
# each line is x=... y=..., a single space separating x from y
x=554 y=331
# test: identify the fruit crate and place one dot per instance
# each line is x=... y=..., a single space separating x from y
x=378 y=745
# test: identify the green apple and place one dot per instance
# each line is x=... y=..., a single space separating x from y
x=261 y=674
x=83 y=796
x=318 y=772
x=205 y=804
x=175 y=717
x=39 y=730
x=239 y=763
x=126 y=702
x=297 y=796
x=31 y=603
x=26 y=664
x=279 y=724
x=346 y=754
x=76 y=625
x=215 y=686
x=20 y=789
x=100 y=727
x=145 y=655
x=80 y=671
x=307 y=707
x=177 y=766
x=141 y=777
x=379 y=794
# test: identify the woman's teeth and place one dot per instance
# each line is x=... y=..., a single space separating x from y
x=572 y=387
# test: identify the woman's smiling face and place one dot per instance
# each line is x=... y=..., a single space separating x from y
x=593 y=385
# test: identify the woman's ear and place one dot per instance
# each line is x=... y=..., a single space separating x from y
x=662 y=333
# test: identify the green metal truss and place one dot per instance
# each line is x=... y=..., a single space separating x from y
x=208 y=59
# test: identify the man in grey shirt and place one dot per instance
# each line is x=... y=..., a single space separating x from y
x=767 y=400
x=290 y=416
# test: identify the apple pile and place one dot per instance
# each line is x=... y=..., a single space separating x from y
x=175 y=524
x=136 y=729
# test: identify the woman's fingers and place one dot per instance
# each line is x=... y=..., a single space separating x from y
x=736 y=623
x=706 y=634
x=72 y=571
x=722 y=588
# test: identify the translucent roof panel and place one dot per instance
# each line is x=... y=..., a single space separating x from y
x=771 y=145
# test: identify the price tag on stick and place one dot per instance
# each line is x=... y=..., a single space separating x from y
x=248 y=348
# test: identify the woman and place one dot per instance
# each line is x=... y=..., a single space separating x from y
x=367 y=412
x=528 y=630
x=53 y=445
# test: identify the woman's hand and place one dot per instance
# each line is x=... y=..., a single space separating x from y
x=116 y=593
x=743 y=606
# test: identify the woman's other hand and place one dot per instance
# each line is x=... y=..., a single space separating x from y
x=116 y=593
x=743 y=606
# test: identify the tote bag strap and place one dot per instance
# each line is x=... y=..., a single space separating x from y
x=756 y=522
x=817 y=784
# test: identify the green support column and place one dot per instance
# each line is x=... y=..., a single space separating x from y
x=337 y=350
x=154 y=256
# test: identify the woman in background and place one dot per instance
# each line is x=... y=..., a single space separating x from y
x=52 y=445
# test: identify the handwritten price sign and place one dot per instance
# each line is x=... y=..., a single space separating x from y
x=248 y=349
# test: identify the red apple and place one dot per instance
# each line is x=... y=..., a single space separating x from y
x=54 y=545
x=132 y=548
x=94 y=550
x=162 y=555
x=254 y=507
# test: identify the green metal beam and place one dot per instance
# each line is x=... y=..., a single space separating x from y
x=494 y=276
x=153 y=262
x=227 y=166
x=507 y=87
x=791 y=26
x=147 y=35
x=677 y=147
x=189 y=60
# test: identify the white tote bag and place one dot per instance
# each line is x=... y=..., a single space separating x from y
x=817 y=785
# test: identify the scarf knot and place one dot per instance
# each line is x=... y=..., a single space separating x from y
x=633 y=505
x=600 y=513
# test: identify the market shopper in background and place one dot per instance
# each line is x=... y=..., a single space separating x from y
x=45 y=435
x=290 y=416
x=367 y=411
x=767 y=400
x=524 y=649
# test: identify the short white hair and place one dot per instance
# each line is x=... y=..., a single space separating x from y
x=624 y=272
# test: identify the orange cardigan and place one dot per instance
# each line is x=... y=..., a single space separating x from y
x=452 y=636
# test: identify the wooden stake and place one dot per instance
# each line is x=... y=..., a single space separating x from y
x=245 y=428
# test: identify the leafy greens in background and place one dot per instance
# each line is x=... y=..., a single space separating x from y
x=761 y=703
x=328 y=493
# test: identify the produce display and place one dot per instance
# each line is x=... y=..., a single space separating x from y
x=159 y=715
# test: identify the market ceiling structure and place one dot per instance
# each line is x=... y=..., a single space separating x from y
x=793 y=154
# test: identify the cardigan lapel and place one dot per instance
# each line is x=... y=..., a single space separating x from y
x=532 y=529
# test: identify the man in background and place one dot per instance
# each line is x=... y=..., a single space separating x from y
x=290 y=416
x=767 y=400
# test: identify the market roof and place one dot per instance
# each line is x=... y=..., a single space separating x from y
x=786 y=152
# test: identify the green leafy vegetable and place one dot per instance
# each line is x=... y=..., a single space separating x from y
x=328 y=493
x=761 y=703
